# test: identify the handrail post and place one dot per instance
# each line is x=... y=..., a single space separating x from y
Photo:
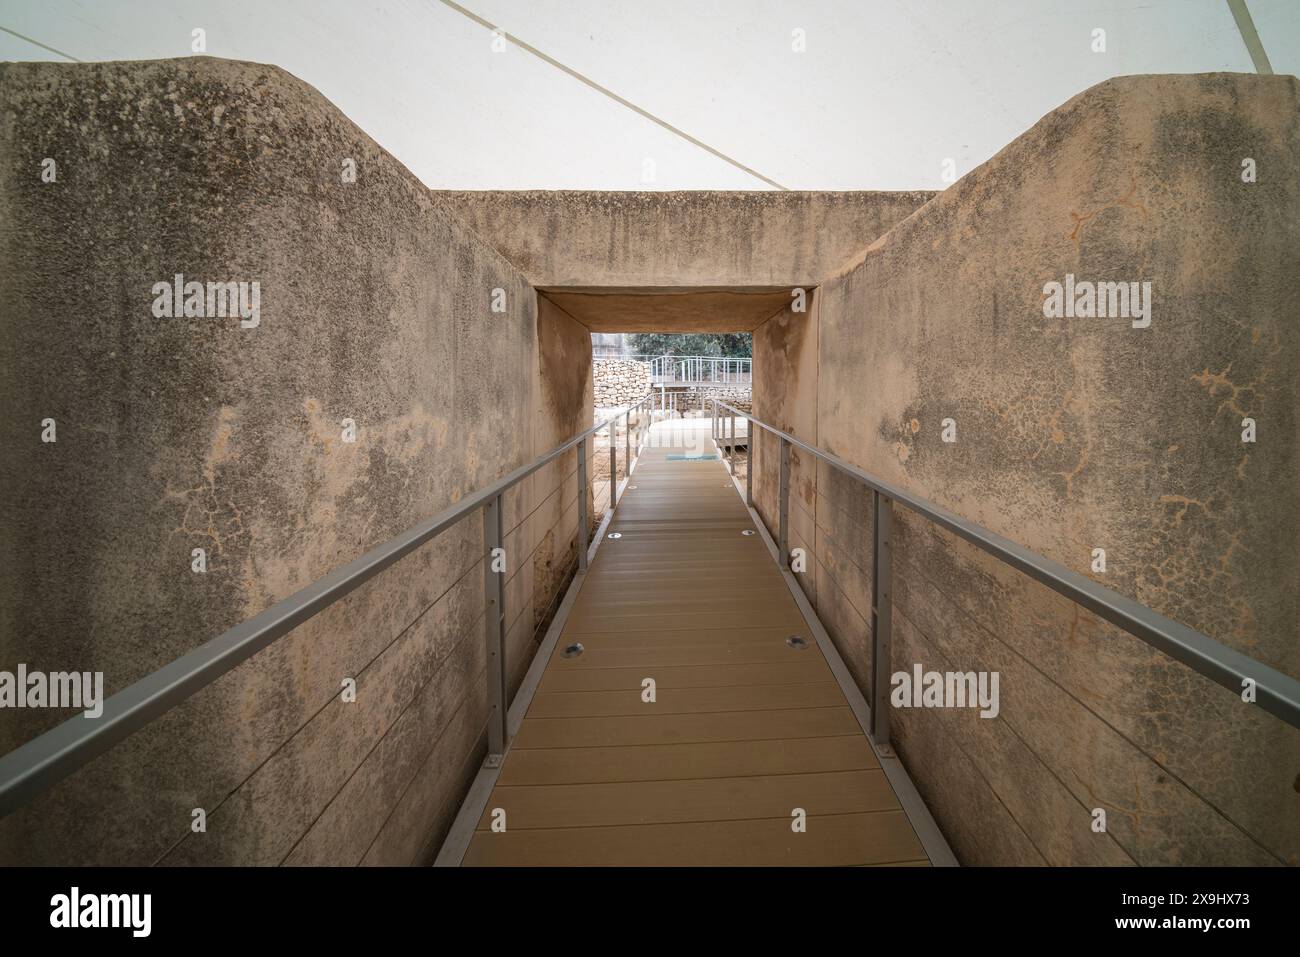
x=613 y=463
x=582 y=506
x=882 y=613
x=627 y=442
x=783 y=526
x=749 y=463
x=35 y=766
x=731 y=446
x=494 y=587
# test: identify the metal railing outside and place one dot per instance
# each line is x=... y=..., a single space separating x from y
x=45 y=760
x=1275 y=692
x=692 y=370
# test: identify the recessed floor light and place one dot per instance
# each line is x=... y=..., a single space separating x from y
x=748 y=531
x=573 y=650
x=614 y=535
x=797 y=642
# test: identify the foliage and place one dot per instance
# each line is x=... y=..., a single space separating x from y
x=730 y=345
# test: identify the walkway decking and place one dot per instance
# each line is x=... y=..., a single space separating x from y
x=744 y=728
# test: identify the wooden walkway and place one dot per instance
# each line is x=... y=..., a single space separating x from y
x=744 y=728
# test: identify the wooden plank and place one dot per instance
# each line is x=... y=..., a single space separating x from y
x=876 y=837
x=743 y=730
x=683 y=761
x=613 y=656
x=686 y=587
x=741 y=609
x=699 y=570
x=702 y=799
x=699 y=637
x=686 y=578
x=665 y=729
x=637 y=544
x=598 y=704
x=805 y=670
x=587 y=620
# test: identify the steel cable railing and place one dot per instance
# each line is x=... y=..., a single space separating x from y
x=45 y=760
x=1275 y=692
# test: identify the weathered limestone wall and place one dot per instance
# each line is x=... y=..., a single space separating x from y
x=564 y=385
x=786 y=356
x=182 y=433
x=1072 y=434
x=1075 y=434
x=678 y=239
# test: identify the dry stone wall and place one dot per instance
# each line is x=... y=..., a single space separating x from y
x=619 y=381
x=698 y=400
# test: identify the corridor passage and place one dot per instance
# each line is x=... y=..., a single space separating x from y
x=745 y=732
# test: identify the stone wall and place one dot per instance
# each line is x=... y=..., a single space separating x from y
x=176 y=434
x=376 y=388
x=693 y=238
x=1072 y=435
x=701 y=398
x=619 y=382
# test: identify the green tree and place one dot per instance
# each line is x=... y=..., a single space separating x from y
x=728 y=345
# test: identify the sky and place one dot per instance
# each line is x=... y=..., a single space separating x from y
x=820 y=94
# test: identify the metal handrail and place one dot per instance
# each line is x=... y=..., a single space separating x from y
x=45 y=760
x=691 y=369
x=650 y=356
x=1275 y=692
x=700 y=370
